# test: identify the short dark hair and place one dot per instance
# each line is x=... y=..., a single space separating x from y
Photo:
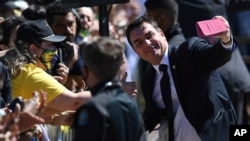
x=54 y=9
x=34 y=12
x=103 y=56
x=138 y=22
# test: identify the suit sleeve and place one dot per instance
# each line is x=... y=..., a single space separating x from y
x=208 y=55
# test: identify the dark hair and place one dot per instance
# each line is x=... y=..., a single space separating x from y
x=168 y=7
x=56 y=8
x=110 y=57
x=7 y=26
x=138 y=22
x=34 y=12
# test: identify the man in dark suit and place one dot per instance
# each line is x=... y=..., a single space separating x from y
x=201 y=107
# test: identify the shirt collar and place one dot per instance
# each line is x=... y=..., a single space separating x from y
x=98 y=88
x=164 y=60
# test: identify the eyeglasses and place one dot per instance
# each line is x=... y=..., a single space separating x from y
x=47 y=46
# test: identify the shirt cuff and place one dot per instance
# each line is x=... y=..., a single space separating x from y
x=228 y=46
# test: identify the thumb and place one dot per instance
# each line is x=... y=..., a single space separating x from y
x=124 y=77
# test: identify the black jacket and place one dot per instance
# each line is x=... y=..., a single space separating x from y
x=111 y=115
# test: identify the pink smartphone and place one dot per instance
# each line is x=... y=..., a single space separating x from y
x=210 y=27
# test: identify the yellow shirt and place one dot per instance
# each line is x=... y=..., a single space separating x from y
x=33 y=78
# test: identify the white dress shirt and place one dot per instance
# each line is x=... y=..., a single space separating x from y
x=183 y=130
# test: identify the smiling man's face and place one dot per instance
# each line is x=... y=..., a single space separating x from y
x=149 y=43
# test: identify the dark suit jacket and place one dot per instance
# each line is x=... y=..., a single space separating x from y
x=200 y=90
x=110 y=115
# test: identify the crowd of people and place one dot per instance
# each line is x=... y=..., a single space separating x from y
x=57 y=71
x=41 y=51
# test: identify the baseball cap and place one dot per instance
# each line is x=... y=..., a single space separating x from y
x=36 y=30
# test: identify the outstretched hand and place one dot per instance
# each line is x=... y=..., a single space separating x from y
x=225 y=37
x=64 y=118
x=62 y=72
x=32 y=107
x=36 y=104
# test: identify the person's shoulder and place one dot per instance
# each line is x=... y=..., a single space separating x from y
x=97 y=104
x=33 y=69
x=106 y=103
x=193 y=39
x=112 y=96
x=119 y=97
x=189 y=42
x=100 y=99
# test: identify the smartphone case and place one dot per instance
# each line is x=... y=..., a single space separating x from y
x=210 y=27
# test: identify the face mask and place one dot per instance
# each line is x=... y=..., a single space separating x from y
x=49 y=58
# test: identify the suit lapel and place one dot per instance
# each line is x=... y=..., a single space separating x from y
x=174 y=69
x=148 y=84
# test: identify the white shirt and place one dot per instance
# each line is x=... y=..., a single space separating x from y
x=183 y=130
